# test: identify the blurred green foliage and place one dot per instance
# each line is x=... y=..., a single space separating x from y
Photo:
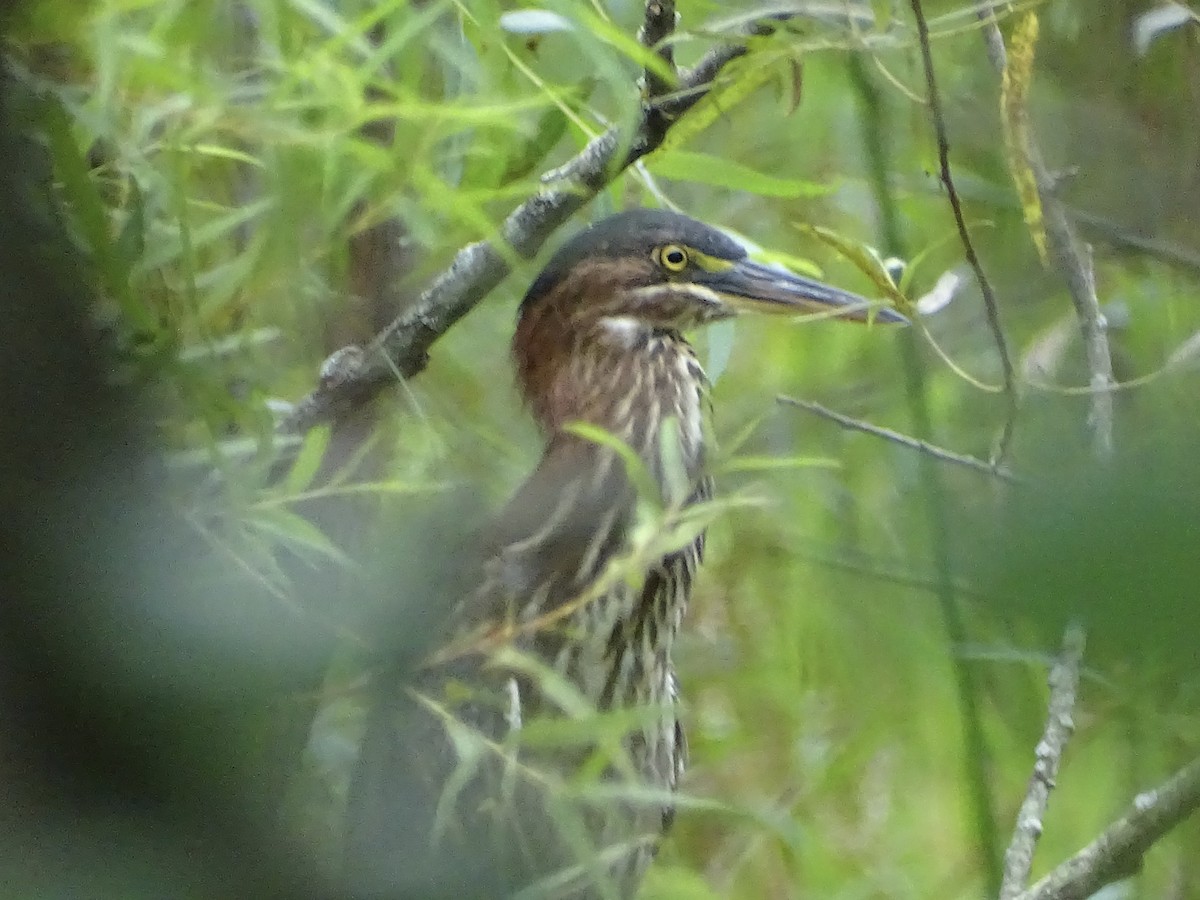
x=218 y=162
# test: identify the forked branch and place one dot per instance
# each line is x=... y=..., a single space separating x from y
x=353 y=375
x=1064 y=685
x=1117 y=853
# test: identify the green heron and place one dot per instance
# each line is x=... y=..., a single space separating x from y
x=481 y=771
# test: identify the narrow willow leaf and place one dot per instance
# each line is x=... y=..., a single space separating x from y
x=90 y=215
x=308 y=461
x=720 y=337
x=550 y=128
x=1156 y=22
x=217 y=151
x=774 y=463
x=864 y=259
x=297 y=532
x=635 y=468
x=676 y=484
x=743 y=80
x=1014 y=116
x=131 y=242
x=703 y=168
x=534 y=21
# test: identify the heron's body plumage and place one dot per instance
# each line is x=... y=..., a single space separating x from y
x=577 y=600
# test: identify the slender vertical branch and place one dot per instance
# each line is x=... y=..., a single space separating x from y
x=975 y=755
x=1064 y=685
x=657 y=27
x=1072 y=258
x=990 y=305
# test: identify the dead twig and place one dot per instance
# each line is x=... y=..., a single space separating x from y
x=1117 y=853
x=904 y=440
x=1060 y=723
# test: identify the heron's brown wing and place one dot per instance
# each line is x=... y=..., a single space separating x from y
x=555 y=534
x=416 y=768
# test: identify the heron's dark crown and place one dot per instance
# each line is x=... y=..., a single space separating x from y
x=632 y=238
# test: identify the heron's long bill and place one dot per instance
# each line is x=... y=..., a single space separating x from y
x=752 y=287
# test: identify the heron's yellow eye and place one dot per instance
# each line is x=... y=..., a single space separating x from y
x=673 y=258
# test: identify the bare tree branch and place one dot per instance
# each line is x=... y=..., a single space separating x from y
x=657 y=27
x=354 y=374
x=985 y=287
x=904 y=440
x=1064 y=684
x=1072 y=258
x=1118 y=851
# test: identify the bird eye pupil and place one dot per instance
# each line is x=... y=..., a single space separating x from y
x=674 y=258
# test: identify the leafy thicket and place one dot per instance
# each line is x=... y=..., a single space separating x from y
x=253 y=184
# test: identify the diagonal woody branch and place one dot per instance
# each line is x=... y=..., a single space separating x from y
x=1117 y=853
x=353 y=375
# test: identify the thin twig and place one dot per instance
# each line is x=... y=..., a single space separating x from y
x=904 y=440
x=403 y=346
x=985 y=287
x=1064 y=685
x=1073 y=260
x=1117 y=853
x=975 y=758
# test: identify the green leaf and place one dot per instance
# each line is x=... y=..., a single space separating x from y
x=775 y=463
x=131 y=242
x=634 y=467
x=295 y=531
x=865 y=260
x=738 y=81
x=308 y=461
x=90 y=214
x=686 y=165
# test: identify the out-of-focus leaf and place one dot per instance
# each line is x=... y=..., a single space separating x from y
x=308 y=461
x=945 y=290
x=167 y=250
x=720 y=348
x=686 y=165
x=1014 y=116
x=1113 y=546
x=534 y=21
x=1186 y=353
x=775 y=463
x=296 y=531
x=665 y=882
x=90 y=215
x=738 y=81
x=131 y=242
x=1154 y=23
x=1043 y=357
x=550 y=128
x=853 y=16
x=635 y=468
x=231 y=153
x=241 y=342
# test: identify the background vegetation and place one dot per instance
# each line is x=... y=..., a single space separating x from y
x=252 y=184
